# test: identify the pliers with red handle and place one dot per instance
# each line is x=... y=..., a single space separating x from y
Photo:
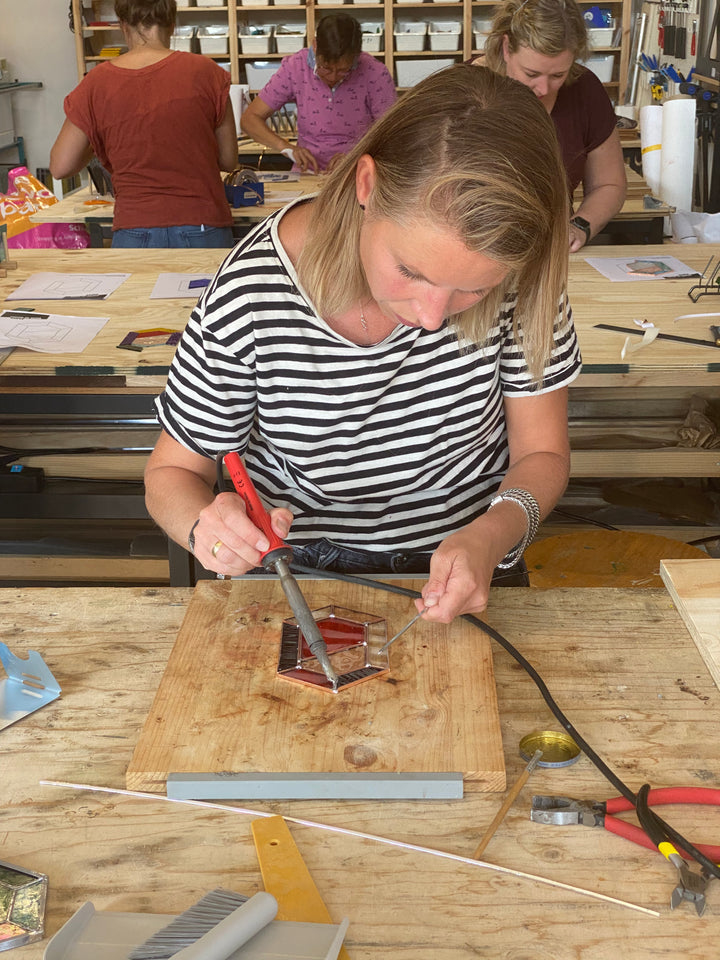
x=594 y=813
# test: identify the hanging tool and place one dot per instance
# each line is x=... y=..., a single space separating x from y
x=669 y=33
x=681 y=37
x=564 y=811
x=401 y=632
x=661 y=29
x=693 y=39
x=277 y=557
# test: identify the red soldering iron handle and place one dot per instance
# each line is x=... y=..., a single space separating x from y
x=255 y=509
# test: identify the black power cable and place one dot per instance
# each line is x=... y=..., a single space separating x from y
x=594 y=757
x=565 y=722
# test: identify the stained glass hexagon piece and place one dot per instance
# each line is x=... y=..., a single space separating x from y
x=353 y=641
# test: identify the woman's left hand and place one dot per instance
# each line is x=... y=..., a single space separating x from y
x=577 y=238
x=460 y=573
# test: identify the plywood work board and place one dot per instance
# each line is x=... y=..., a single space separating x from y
x=221 y=709
x=694 y=586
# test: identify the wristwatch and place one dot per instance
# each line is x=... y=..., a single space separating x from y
x=582 y=224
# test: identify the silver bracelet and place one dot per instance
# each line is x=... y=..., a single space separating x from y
x=529 y=504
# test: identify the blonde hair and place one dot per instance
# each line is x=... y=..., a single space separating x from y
x=549 y=27
x=475 y=153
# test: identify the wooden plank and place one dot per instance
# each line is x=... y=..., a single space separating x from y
x=666 y=462
x=221 y=708
x=694 y=586
x=91 y=569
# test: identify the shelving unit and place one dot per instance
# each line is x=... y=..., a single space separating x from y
x=306 y=14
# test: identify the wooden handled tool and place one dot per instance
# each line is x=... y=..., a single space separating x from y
x=507 y=803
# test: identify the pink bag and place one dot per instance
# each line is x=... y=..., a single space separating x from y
x=27 y=195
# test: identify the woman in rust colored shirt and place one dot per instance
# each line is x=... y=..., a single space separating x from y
x=162 y=123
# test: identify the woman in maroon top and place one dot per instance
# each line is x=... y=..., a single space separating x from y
x=162 y=123
x=539 y=43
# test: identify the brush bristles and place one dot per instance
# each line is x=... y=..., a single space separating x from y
x=189 y=926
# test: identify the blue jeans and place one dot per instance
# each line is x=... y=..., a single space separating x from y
x=325 y=555
x=184 y=236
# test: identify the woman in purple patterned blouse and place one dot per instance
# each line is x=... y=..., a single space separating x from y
x=339 y=91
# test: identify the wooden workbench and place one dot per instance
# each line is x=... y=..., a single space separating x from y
x=624 y=414
x=621 y=664
x=75 y=206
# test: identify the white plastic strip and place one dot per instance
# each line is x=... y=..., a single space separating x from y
x=359 y=834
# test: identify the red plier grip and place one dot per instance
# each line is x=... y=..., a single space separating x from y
x=253 y=504
x=705 y=796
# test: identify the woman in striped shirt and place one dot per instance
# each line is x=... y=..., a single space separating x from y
x=391 y=358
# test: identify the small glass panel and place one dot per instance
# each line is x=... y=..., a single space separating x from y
x=353 y=640
x=22 y=906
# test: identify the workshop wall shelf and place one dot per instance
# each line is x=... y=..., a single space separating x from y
x=93 y=43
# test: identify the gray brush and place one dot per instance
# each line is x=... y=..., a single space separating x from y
x=212 y=929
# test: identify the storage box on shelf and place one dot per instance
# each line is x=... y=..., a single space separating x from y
x=601 y=36
x=389 y=43
x=213 y=39
x=372 y=37
x=410 y=72
x=410 y=35
x=258 y=72
x=255 y=39
x=481 y=28
x=289 y=38
x=444 y=34
x=182 y=39
x=602 y=66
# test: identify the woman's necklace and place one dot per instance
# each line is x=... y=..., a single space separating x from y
x=363 y=324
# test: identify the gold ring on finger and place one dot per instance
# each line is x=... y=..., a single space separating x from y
x=216 y=547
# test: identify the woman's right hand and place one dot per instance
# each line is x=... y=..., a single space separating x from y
x=305 y=160
x=224 y=526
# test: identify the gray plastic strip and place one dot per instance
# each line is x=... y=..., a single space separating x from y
x=315 y=786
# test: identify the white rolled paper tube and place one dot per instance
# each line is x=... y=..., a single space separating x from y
x=234 y=931
x=238 y=94
x=677 y=158
x=650 y=146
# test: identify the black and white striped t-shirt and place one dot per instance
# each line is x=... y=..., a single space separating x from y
x=392 y=446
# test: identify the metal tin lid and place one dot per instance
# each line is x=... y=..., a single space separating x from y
x=558 y=749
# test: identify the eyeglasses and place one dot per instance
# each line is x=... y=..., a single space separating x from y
x=337 y=71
